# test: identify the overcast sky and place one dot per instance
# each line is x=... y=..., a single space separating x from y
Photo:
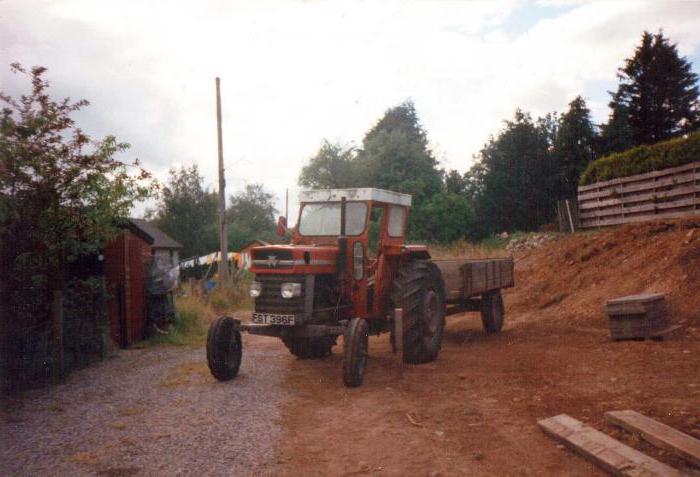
x=294 y=73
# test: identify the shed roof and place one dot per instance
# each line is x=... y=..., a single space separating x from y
x=254 y=243
x=160 y=238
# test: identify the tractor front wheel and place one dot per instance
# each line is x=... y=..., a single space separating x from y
x=224 y=348
x=492 y=311
x=356 y=352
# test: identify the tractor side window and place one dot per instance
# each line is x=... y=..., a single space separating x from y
x=397 y=221
x=374 y=230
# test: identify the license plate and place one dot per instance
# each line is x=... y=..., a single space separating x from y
x=273 y=319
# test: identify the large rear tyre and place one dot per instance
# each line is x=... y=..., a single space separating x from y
x=420 y=292
x=492 y=311
x=224 y=348
x=310 y=348
x=355 y=353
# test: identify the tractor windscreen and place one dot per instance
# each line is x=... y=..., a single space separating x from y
x=323 y=219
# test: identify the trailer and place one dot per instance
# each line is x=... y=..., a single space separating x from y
x=475 y=285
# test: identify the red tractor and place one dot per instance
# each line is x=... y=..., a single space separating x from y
x=348 y=271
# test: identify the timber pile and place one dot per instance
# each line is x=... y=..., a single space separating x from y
x=616 y=457
x=604 y=451
x=637 y=316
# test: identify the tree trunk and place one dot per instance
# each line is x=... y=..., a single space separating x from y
x=57 y=328
x=4 y=339
x=56 y=281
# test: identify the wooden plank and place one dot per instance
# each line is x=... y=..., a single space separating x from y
x=637 y=177
x=638 y=298
x=658 y=434
x=601 y=449
x=690 y=177
x=648 y=207
x=592 y=223
x=631 y=198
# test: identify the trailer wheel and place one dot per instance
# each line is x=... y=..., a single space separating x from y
x=492 y=311
x=420 y=292
x=310 y=348
x=356 y=343
x=224 y=348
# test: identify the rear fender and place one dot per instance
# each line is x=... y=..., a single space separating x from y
x=414 y=252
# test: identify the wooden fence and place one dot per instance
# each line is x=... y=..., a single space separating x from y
x=668 y=193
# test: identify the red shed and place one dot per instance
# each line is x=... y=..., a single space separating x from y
x=125 y=273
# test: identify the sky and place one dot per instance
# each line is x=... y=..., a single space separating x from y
x=294 y=73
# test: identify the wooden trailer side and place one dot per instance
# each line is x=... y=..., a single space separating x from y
x=480 y=276
x=468 y=278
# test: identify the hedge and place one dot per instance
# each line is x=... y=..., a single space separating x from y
x=641 y=159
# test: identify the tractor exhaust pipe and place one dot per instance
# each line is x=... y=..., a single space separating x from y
x=342 y=242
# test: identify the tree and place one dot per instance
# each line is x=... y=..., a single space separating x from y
x=395 y=155
x=251 y=215
x=658 y=90
x=573 y=147
x=62 y=194
x=188 y=212
x=616 y=134
x=443 y=218
x=455 y=183
x=333 y=166
x=513 y=178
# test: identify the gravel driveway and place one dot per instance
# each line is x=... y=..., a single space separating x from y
x=154 y=411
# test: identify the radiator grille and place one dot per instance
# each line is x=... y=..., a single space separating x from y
x=270 y=299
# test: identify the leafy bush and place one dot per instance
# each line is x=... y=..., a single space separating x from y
x=645 y=158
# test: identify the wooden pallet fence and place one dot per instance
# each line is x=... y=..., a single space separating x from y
x=664 y=194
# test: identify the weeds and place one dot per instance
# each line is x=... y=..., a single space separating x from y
x=191 y=318
x=464 y=249
x=194 y=312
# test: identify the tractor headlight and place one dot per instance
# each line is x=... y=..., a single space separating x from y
x=290 y=290
x=255 y=289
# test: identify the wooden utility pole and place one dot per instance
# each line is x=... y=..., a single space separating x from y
x=223 y=262
x=286 y=204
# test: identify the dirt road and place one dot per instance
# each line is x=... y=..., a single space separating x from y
x=474 y=411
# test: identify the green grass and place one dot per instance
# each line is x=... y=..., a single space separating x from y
x=194 y=313
x=192 y=317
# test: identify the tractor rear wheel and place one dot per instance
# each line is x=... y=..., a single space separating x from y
x=419 y=291
x=310 y=348
x=224 y=348
x=492 y=311
x=355 y=354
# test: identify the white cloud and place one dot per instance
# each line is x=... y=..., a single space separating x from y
x=296 y=72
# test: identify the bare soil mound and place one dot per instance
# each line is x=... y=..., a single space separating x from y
x=572 y=277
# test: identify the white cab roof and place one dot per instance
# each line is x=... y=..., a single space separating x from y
x=363 y=194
